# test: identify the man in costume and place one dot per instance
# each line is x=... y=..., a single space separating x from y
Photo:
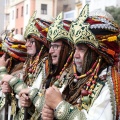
x=14 y=47
x=60 y=58
x=33 y=72
x=92 y=92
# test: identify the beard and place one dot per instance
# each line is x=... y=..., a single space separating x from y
x=78 y=66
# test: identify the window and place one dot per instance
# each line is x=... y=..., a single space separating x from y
x=26 y=9
x=22 y=11
x=7 y=17
x=16 y=31
x=69 y=15
x=21 y=31
x=13 y=14
x=7 y=2
x=43 y=8
x=65 y=7
x=17 y=13
x=87 y=1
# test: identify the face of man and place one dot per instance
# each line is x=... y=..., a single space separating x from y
x=79 y=56
x=31 y=47
x=54 y=50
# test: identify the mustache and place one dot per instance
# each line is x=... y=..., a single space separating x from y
x=77 y=60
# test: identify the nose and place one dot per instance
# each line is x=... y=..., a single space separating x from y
x=76 y=54
x=51 y=50
x=27 y=44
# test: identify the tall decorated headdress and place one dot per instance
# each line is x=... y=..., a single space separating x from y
x=59 y=29
x=98 y=31
x=30 y=28
x=14 y=45
x=37 y=28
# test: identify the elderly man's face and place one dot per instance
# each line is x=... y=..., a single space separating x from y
x=80 y=51
x=54 y=50
x=31 y=47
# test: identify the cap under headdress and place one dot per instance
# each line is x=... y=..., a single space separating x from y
x=14 y=45
x=42 y=26
x=98 y=31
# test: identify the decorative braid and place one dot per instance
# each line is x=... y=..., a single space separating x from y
x=116 y=82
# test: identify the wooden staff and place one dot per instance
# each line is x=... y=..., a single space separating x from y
x=6 y=105
x=25 y=113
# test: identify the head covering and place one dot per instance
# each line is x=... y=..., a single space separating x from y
x=42 y=26
x=37 y=28
x=59 y=29
x=14 y=45
x=30 y=28
x=99 y=31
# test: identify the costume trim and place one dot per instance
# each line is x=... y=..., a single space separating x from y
x=66 y=111
x=39 y=102
x=33 y=93
x=112 y=95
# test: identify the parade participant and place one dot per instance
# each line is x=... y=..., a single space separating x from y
x=1 y=51
x=33 y=72
x=60 y=58
x=92 y=92
x=12 y=61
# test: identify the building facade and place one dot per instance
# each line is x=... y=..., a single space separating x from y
x=95 y=4
x=20 y=12
x=67 y=7
x=3 y=14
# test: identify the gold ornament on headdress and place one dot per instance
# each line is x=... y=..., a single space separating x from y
x=79 y=31
x=56 y=30
x=30 y=28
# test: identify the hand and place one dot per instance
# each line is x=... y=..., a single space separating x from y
x=47 y=113
x=25 y=92
x=4 y=62
x=6 y=88
x=25 y=102
x=6 y=78
x=53 y=97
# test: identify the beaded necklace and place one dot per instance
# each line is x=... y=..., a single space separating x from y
x=9 y=65
x=87 y=88
x=59 y=82
x=33 y=65
x=93 y=70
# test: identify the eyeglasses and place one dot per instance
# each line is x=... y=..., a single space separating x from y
x=54 y=47
x=30 y=42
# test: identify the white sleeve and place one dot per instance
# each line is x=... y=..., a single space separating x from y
x=101 y=108
x=37 y=82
